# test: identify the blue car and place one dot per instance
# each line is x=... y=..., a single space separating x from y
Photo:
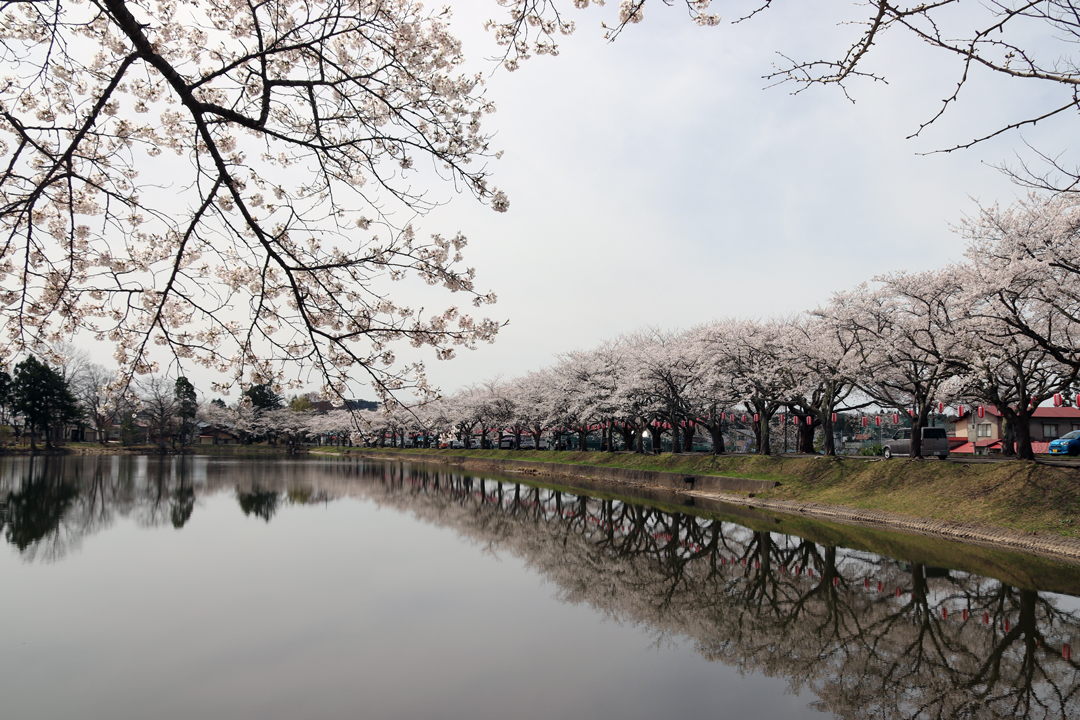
x=1066 y=444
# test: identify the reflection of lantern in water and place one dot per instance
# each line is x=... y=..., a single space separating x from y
x=880 y=586
x=986 y=618
x=944 y=613
x=898 y=593
x=1066 y=651
x=965 y=615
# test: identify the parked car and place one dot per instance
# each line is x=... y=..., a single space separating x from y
x=1068 y=444
x=507 y=443
x=457 y=445
x=528 y=442
x=935 y=442
x=474 y=444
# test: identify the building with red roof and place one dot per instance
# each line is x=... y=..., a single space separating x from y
x=982 y=435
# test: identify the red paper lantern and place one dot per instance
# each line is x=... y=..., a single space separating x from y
x=782 y=418
x=877 y=420
x=865 y=420
x=809 y=420
x=941 y=408
x=896 y=418
x=744 y=417
x=959 y=411
x=834 y=417
x=982 y=411
x=756 y=417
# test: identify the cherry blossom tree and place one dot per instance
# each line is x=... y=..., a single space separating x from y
x=761 y=370
x=1023 y=270
x=907 y=341
x=233 y=182
x=826 y=364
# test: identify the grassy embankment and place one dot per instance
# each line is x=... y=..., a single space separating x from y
x=1025 y=496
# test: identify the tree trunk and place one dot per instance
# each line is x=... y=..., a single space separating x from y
x=761 y=431
x=688 y=437
x=1009 y=444
x=1022 y=430
x=917 y=424
x=717 y=434
x=583 y=444
x=676 y=446
x=828 y=440
x=806 y=438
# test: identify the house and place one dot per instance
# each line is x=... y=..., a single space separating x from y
x=982 y=435
x=211 y=435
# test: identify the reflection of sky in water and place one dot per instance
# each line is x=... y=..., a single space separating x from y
x=395 y=600
x=333 y=610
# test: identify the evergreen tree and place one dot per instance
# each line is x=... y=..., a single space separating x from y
x=263 y=397
x=5 y=396
x=43 y=398
x=187 y=405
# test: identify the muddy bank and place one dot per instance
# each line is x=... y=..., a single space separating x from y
x=746 y=492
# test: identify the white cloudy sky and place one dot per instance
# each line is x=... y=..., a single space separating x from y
x=655 y=180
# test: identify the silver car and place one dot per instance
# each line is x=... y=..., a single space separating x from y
x=935 y=443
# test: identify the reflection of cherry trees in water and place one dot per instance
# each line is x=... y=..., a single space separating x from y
x=868 y=636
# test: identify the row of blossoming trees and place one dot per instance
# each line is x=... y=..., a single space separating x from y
x=999 y=329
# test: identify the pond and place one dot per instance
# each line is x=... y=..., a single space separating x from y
x=230 y=587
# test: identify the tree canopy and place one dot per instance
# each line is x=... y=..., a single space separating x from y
x=42 y=397
x=226 y=180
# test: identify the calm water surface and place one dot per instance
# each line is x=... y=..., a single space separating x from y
x=135 y=587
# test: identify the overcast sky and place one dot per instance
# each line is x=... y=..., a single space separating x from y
x=657 y=180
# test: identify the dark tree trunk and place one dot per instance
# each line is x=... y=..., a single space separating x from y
x=676 y=446
x=1022 y=431
x=583 y=436
x=1008 y=436
x=806 y=438
x=717 y=434
x=828 y=440
x=688 y=437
